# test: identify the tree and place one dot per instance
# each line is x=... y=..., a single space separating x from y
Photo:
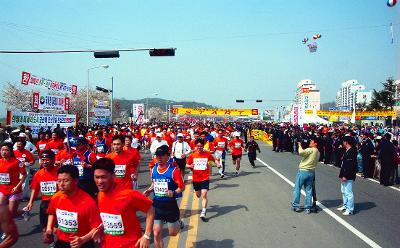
x=78 y=102
x=156 y=114
x=384 y=99
x=16 y=98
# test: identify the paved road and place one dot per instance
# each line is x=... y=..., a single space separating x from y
x=253 y=210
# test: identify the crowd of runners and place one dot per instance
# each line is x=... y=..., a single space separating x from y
x=87 y=177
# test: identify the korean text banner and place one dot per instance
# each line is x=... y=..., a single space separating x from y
x=137 y=112
x=101 y=104
x=216 y=112
x=101 y=112
x=48 y=102
x=28 y=78
x=349 y=113
x=32 y=119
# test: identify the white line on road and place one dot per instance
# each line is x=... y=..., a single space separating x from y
x=356 y=232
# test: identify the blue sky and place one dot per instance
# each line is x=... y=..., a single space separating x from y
x=226 y=50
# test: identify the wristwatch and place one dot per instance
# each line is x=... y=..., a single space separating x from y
x=146 y=236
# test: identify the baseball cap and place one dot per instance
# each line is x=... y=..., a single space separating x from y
x=22 y=135
x=159 y=135
x=179 y=135
x=162 y=150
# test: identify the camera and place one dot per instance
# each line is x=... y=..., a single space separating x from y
x=305 y=143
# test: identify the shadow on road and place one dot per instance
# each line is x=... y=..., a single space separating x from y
x=226 y=243
x=218 y=185
x=36 y=229
x=358 y=206
x=223 y=210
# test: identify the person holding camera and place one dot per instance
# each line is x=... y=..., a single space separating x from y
x=306 y=174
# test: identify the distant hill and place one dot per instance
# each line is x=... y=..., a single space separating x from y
x=161 y=103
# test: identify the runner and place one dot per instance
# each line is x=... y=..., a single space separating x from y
x=42 y=142
x=157 y=143
x=74 y=210
x=12 y=176
x=221 y=146
x=83 y=159
x=45 y=182
x=135 y=156
x=200 y=164
x=180 y=150
x=7 y=224
x=118 y=210
x=236 y=146
x=167 y=184
x=55 y=144
x=252 y=147
x=125 y=168
x=100 y=146
x=27 y=159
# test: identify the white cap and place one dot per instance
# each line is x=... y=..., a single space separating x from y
x=180 y=135
x=16 y=131
x=236 y=133
x=378 y=137
x=159 y=135
x=22 y=135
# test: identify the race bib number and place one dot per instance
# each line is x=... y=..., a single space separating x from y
x=221 y=144
x=113 y=224
x=5 y=178
x=120 y=170
x=48 y=188
x=100 y=149
x=22 y=160
x=161 y=189
x=42 y=147
x=238 y=145
x=200 y=163
x=67 y=221
x=80 y=169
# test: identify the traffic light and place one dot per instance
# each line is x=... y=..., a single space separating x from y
x=162 y=52
x=102 y=89
x=239 y=100
x=258 y=100
x=106 y=54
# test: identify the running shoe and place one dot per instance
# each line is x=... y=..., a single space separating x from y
x=222 y=175
x=342 y=208
x=26 y=215
x=237 y=173
x=203 y=216
x=347 y=212
x=308 y=211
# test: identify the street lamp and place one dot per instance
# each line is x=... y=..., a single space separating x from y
x=147 y=105
x=87 y=92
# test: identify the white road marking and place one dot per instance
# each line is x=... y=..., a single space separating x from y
x=352 y=229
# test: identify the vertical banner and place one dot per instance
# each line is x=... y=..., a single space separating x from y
x=35 y=100
x=295 y=115
x=138 y=112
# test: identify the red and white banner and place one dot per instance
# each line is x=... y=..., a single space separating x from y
x=28 y=78
x=48 y=102
x=295 y=115
x=138 y=112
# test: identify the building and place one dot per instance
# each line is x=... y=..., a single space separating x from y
x=350 y=91
x=308 y=97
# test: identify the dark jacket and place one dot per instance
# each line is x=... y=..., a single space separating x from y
x=349 y=164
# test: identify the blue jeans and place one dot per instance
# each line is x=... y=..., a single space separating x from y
x=305 y=178
x=347 y=194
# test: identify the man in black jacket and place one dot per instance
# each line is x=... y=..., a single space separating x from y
x=367 y=149
x=348 y=175
x=388 y=158
x=252 y=148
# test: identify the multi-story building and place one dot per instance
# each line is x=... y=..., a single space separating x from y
x=307 y=98
x=350 y=92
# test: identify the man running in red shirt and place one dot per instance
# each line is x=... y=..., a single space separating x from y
x=236 y=146
x=76 y=213
x=200 y=164
x=118 y=210
x=125 y=170
x=45 y=182
x=55 y=144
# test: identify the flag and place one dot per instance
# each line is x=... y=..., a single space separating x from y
x=391 y=31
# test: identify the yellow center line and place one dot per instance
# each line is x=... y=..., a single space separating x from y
x=193 y=223
x=173 y=241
